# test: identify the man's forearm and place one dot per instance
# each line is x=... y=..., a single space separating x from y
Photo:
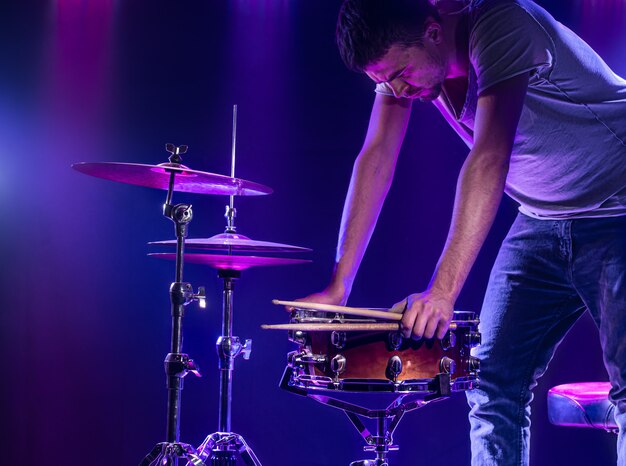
x=478 y=195
x=371 y=178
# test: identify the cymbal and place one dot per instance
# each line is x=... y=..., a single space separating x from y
x=234 y=242
x=225 y=262
x=158 y=177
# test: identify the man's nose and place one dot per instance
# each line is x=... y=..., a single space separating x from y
x=398 y=87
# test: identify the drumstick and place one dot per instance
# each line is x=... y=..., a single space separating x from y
x=355 y=311
x=322 y=327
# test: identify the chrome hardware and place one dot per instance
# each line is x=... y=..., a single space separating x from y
x=338 y=364
x=448 y=341
x=297 y=336
x=474 y=339
x=291 y=358
x=246 y=349
x=338 y=339
x=394 y=368
x=308 y=358
x=473 y=364
x=395 y=340
x=447 y=365
x=200 y=297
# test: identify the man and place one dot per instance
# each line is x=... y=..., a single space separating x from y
x=545 y=120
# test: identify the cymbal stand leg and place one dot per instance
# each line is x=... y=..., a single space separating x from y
x=177 y=364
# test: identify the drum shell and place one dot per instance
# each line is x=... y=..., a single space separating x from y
x=367 y=355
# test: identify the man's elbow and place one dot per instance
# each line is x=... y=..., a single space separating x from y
x=494 y=161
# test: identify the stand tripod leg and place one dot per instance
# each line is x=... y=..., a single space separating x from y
x=247 y=454
x=167 y=454
x=222 y=448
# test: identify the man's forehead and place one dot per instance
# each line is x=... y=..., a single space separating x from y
x=389 y=64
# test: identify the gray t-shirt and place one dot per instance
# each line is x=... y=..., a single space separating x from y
x=569 y=153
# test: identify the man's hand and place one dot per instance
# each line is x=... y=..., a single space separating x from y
x=426 y=315
x=331 y=295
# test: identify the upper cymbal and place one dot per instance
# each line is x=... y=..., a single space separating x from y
x=158 y=176
x=234 y=242
x=225 y=262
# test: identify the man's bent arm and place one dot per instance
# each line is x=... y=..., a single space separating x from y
x=371 y=178
x=479 y=191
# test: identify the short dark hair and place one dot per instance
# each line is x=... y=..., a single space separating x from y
x=366 y=29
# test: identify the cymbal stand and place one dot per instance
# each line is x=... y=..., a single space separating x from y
x=387 y=420
x=177 y=364
x=223 y=446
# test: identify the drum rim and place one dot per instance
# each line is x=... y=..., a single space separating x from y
x=458 y=316
x=416 y=386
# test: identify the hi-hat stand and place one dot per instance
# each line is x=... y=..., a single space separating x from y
x=223 y=446
x=177 y=363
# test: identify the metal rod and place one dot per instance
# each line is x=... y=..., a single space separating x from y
x=170 y=190
x=226 y=372
x=233 y=153
x=180 y=254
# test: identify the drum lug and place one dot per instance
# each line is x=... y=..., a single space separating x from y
x=394 y=368
x=338 y=366
x=473 y=364
x=448 y=341
x=447 y=365
x=338 y=339
x=395 y=340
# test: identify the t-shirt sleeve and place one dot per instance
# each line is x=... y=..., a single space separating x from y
x=384 y=89
x=507 y=41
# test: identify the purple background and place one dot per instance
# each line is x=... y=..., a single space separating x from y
x=85 y=314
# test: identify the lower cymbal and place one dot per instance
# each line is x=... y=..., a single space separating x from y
x=225 y=262
x=158 y=177
x=234 y=242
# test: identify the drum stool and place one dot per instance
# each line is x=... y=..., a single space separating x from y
x=583 y=404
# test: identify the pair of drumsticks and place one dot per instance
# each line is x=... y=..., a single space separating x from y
x=391 y=314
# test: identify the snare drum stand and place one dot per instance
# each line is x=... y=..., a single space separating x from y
x=387 y=420
x=177 y=364
x=223 y=446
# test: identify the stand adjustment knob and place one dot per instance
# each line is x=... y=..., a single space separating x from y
x=201 y=297
x=246 y=349
x=179 y=364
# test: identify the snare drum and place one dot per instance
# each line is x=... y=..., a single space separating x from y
x=379 y=361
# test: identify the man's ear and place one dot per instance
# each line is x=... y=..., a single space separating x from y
x=432 y=32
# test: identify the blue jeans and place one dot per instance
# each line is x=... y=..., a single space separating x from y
x=546 y=275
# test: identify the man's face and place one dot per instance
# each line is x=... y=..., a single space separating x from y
x=413 y=72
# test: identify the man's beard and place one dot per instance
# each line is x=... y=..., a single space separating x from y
x=432 y=94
